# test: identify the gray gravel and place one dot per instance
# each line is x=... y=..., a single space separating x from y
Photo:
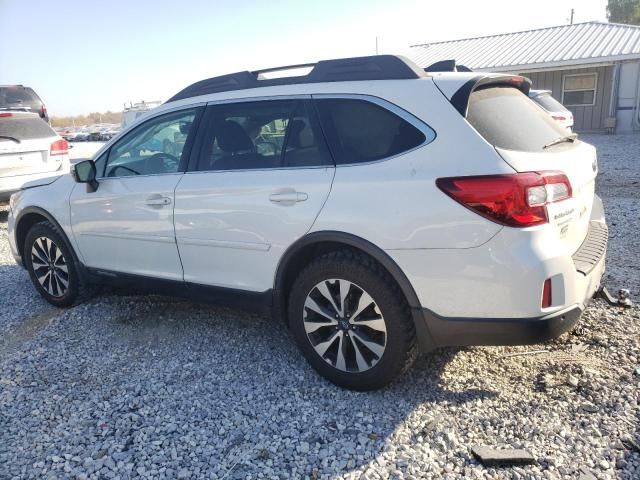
x=153 y=387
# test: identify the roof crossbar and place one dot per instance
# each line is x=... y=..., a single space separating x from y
x=376 y=67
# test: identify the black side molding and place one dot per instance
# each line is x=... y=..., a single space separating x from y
x=255 y=302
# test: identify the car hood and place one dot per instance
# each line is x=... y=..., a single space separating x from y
x=41 y=182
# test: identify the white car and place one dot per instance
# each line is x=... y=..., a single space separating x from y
x=375 y=208
x=29 y=150
x=558 y=112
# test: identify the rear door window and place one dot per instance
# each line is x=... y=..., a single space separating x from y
x=263 y=134
x=508 y=119
x=23 y=127
x=361 y=131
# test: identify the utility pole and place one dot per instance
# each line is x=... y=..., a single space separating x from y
x=572 y=12
x=376 y=45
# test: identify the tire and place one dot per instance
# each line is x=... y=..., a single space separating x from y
x=374 y=333
x=46 y=249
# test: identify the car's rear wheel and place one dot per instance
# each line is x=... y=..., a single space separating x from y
x=351 y=321
x=52 y=267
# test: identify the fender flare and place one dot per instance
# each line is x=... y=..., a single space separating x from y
x=352 y=241
x=50 y=218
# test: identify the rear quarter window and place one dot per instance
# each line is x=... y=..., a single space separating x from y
x=22 y=128
x=361 y=131
x=506 y=118
x=549 y=103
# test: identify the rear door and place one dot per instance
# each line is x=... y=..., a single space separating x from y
x=126 y=225
x=530 y=140
x=260 y=178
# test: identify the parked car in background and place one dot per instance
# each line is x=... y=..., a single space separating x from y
x=21 y=98
x=80 y=136
x=109 y=133
x=558 y=112
x=29 y=150
x=343 y=201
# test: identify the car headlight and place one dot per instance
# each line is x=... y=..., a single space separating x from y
x=13 y=200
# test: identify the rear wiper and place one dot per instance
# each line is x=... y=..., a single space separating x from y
x=567 y=138
x=17 y=140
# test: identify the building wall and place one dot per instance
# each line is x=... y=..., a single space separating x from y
x=588 y=118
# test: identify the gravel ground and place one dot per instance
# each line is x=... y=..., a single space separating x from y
x=146 y=386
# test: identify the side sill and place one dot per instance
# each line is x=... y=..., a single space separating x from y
x=255 y=302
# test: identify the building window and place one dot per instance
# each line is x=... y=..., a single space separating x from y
x=579 y=90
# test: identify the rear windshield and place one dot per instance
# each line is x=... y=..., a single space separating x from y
x=16 y=96
x=21 y=128
x=507 y=118
x=549 y=103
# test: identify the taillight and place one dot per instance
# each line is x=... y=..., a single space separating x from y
x=546 y=293
x=59 y=147
x=5 y=114
x=515 y=200
x=558 y=117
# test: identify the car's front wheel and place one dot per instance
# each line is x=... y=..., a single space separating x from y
x=351 y=322
x=52 y=266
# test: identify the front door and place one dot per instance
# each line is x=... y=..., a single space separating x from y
x=262 y=175
x=126 y=225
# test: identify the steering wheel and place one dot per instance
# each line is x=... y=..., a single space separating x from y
x=170 y=163
x=112 y=172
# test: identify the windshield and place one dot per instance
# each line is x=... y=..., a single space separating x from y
x=507 y=118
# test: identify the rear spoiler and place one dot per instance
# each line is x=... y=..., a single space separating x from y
x=447 y=66
x=460 y=99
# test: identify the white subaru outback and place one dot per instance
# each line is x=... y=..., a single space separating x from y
x=378 y=209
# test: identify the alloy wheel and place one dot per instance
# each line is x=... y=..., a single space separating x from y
x=50 y=266
x=344 y=325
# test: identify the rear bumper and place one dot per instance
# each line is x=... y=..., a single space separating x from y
x=443 y=332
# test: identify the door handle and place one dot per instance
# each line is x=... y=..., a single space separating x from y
x=157 y=200
x=288 y=198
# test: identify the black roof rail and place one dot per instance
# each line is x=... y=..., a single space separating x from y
x=447 y=66
x=376 y=67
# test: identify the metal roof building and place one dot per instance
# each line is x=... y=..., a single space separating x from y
x=592 y=67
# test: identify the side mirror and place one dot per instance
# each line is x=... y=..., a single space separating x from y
x=85 y=172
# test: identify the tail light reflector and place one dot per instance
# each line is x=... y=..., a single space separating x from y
x=515 y=200
x=59 y=147
x=546 y=293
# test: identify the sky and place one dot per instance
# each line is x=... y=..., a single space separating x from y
x=85 y=56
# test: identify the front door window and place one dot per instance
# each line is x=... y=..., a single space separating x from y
x=155 y=147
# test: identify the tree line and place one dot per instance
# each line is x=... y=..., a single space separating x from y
x=91 y=118
x=624 y=11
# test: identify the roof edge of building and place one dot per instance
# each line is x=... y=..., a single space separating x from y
x=560 y=65
x=593 y=22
